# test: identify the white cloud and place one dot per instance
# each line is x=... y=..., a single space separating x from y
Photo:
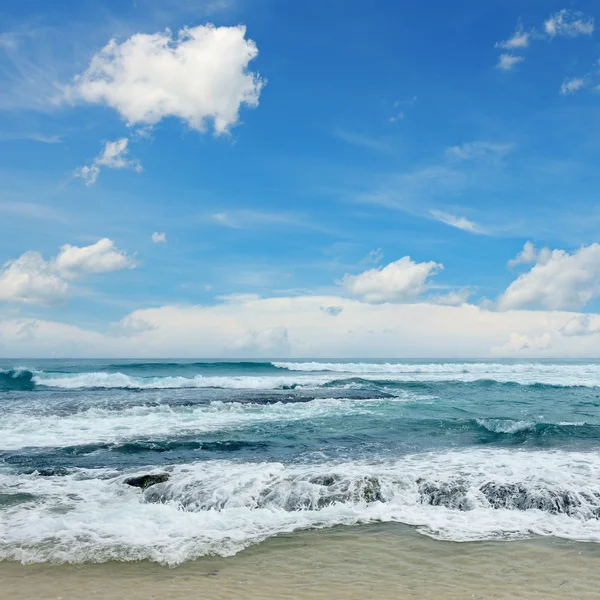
x=399 y=281
x=557 y=281
x=581 y=325
x=198 y=75
x=507 y=61
x=521 y=344
x=458 y=222
x=158 y=238
x=569 y=23
x=101 y=257
x=519 y=39
x=30 y=279
x=113 y=156
x=259 y=327
x=452 y=298
x=570 y=86
x=272 y=341
x=530 y=255
x=88 y=174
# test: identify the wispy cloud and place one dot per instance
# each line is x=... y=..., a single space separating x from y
x=33 y=137
x=424 y=190
x=477 y=150
x=458 y=222
x=569 y=23
x=519 y=39
x=506 y=61
x=114 y=156
x=256 y=219
x=363 y=141
x=373 y=257
x=570 y=86
x=565 y=23
x=31 y=210
x=399 y=105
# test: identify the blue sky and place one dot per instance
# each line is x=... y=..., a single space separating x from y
x=375 y=133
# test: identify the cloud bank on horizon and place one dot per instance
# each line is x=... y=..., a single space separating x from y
x=278 y=216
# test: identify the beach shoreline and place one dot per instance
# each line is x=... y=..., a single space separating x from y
x=382 y=561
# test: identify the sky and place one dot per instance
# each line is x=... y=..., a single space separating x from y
x=256 y=178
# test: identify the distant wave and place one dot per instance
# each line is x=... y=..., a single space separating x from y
x=219 y=365
x=221 y=507
x=27 y=380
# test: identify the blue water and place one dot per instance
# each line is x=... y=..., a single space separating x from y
x=461 y=450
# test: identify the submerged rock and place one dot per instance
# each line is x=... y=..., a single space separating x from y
x=145 y=481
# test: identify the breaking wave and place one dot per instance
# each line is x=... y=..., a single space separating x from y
x=289 y=375
x=222 y=507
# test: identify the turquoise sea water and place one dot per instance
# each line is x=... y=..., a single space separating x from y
x=461 y=450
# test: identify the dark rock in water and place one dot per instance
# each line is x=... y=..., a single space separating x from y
x=145 y=481
x=372 y=490
x=453 y=495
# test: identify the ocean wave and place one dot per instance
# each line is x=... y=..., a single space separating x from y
x=562 y=375
x=17 y=379
x=310 y=375
x=222 y=507
x=97 y=425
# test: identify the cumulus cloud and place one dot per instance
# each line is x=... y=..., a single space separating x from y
x=399 y=281
x=519 y=39
x=159 y=238
x=30 y=279
x=101 y=257
x=114 y=156
x=451 y=298
x=529 y=255
x=507 y=61
x=199 y=75
x=454 y=221
x=569 y=23
x=570 y=86
x=558 y=280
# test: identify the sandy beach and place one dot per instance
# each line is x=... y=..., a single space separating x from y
x=377 y=561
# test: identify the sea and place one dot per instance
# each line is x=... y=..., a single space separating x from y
x=458 y=451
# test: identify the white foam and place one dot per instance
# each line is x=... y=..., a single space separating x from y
x=120 y=380
x=522 y=373
x=506 y=425
x=99 y=425
x=221 y=507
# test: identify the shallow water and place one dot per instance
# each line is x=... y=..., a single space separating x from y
x=377 y=561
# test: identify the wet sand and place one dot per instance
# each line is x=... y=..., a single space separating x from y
x=381 y=561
